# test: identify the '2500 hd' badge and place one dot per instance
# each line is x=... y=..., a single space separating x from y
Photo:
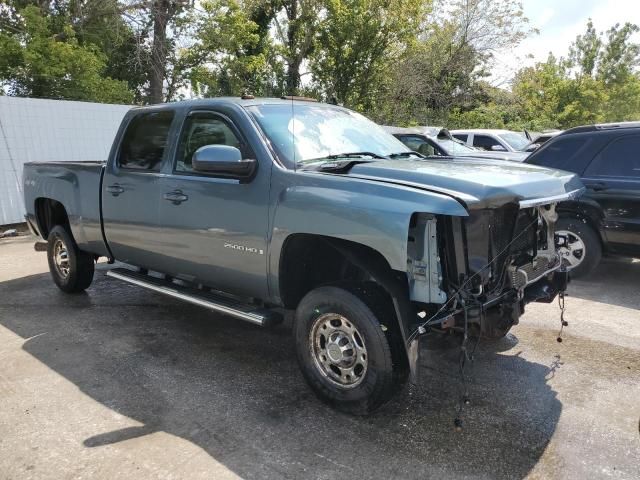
x=242 y=248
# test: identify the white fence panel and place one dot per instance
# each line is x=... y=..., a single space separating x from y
x=46 y=131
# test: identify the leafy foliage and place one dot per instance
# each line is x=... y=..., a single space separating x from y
x=403 y=62
x=357 y=44
x=38 y=58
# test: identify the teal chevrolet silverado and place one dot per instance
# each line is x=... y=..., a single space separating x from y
x=255 y=207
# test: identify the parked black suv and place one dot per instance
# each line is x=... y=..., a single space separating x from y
x=607 y=218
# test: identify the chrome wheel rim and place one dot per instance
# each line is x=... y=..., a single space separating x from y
x=573 y=253
x=61 y=258
x=338 y=350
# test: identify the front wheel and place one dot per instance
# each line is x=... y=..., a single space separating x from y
x=348 y=346
x=71 y=268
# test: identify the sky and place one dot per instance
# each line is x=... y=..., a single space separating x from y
x=559 y=22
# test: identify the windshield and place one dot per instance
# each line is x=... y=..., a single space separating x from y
x=303 y=133
x=515 y=140
x=454 y=147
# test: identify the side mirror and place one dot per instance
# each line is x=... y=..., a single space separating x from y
x=223 y=161
x=532 y=147
x=498 y=148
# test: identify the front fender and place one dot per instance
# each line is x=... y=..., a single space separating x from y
x=366 y=212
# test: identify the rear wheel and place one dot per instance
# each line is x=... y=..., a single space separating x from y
x=71 y=268
x=583 y=250
x=348 y=346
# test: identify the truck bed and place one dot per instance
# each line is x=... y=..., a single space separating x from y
x=76 y=185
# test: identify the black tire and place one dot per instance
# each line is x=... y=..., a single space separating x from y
x=593 y=246
x=369 y=309
x=79 y=265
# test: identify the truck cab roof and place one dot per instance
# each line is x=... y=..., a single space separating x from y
x=246 y=101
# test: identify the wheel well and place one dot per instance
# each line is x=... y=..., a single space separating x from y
x=309 y=261
x=50 y=213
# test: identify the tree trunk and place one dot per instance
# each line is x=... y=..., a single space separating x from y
x=294 y=61
x=293 y=77
x=160 y=13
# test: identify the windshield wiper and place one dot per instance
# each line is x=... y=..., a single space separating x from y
x=329 y=163
x=354 y=154
x=339 y=166
x=406 y=155
x=336 y=156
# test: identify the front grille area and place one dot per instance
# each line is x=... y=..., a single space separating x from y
x=505 y=238
x=524 y=233
x=489 y=232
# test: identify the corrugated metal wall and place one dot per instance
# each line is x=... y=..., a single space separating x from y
x=45 y=131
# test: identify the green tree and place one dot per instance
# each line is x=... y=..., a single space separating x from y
x=41 y=58
x=294 y=25
x=444 y=69
x=597 y=82
x=357 y=44
x=230 y=55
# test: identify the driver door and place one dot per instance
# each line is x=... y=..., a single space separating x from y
x=214 y=230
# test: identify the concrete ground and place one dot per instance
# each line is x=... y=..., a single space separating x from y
x=123 y=383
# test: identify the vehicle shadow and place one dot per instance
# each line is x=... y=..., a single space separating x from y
x=620 y=275
x=235 y=390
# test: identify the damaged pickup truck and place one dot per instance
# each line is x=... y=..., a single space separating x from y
x=255 y=207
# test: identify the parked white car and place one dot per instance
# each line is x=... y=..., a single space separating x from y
x=493 y=140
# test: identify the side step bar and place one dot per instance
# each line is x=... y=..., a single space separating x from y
x=218 y=303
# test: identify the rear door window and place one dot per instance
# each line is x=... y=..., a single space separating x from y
x=145 y=141
x=620 y=158
x=461 y=136
x=484 y=142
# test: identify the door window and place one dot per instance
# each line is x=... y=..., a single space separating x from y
x=202 y=129
x=620 y=158
x=420 y=145
x=461 y=136
x=565 y=152
x=145 y=141
x=484 y=142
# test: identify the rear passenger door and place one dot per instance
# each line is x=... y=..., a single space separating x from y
x=216 y=235
x=130 y=188
x=613 y=180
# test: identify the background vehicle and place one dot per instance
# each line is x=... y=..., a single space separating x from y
x=438 y=141
x=607 y=218
x=251 y=207
x=538 y=139
x=492 y=140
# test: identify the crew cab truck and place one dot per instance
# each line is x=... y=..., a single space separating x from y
x=252 y=207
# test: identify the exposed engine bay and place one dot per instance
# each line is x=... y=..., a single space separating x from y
x=477 y=273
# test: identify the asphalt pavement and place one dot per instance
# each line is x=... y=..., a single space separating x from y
x=120 y=382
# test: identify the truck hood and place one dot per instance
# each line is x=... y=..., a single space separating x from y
x=477 y=183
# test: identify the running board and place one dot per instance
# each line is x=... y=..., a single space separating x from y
x=217 y=303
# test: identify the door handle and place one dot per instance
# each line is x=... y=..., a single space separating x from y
x=597 y=186
x=176 y=197
x=115 y=189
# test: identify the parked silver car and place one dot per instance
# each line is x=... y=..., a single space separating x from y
x=438 y=141
x=493 y=140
